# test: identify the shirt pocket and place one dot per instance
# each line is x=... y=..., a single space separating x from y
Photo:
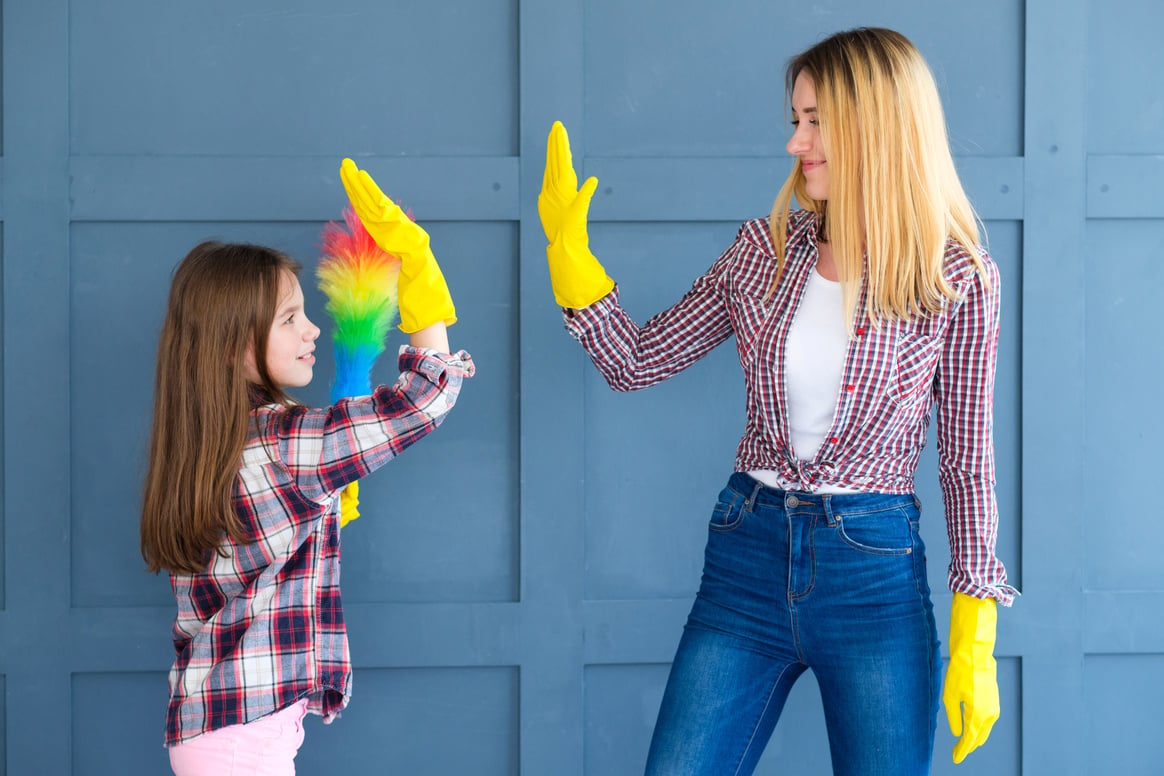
x=748 y=313
x=915 y=363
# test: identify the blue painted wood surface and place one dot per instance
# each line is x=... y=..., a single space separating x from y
x=521 y=619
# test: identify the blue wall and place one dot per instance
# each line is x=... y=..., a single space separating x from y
x=523 y=618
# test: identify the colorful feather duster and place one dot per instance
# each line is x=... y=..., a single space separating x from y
x=359 y=280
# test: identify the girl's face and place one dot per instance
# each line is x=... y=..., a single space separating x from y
x=291 y=343
x=806 y=142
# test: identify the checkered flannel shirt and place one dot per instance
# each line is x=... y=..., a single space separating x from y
x=894 y=373
x=263 y=626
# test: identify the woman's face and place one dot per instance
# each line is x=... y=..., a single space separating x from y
x=806 y=142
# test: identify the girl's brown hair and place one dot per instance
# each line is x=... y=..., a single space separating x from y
x=894 y=195
x=222 y=302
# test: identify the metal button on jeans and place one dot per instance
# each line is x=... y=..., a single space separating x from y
x=792 y=502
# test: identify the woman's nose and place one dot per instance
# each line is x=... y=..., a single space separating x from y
x=797 y=144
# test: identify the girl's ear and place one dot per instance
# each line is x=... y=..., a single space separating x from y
x=250 y=368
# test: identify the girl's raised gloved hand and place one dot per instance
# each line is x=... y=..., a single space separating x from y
x=423 y=295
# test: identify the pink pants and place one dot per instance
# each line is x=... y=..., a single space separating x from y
x=265 y=747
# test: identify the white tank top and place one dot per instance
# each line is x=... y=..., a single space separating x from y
x=814 y=364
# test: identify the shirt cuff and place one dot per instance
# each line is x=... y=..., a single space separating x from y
x=587 y=320
x=1003 y=593
x=433 y=364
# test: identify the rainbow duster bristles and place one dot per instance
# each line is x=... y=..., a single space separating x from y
x=359 y=280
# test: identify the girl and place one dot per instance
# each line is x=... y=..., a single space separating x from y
x=241 y=495
x=852 y=317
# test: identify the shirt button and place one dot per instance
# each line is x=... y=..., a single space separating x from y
x=860 y=331
x=850 y=387
x=833 y=440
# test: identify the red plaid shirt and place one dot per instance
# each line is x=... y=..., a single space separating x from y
x=264 y=627
x=893 y=374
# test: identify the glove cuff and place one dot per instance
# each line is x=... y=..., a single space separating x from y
x=424 y=298
x=973 y=620
x=578 y=281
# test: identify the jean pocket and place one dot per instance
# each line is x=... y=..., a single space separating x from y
x=727 y=515
x=878 y=533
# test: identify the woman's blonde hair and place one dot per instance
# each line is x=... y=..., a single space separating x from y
x=894 y=197
x=223 y=299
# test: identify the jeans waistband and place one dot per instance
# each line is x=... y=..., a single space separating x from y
x=757 y=492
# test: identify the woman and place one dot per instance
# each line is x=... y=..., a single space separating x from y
x=853 y=317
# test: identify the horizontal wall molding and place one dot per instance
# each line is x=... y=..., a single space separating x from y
x=615 y=631
x=648 y=630
x=735 y=188
x=189 y=188
x=134 y=638
x=1125 y=186
x=197 y=188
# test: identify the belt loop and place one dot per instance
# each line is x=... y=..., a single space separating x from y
x=827 y=503
x=751 y=502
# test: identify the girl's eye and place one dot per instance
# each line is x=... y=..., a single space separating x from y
x=290 y=319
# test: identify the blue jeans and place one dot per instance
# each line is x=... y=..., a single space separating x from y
x=793 y=581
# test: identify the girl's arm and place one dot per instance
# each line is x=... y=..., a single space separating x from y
x=435 y=337
x=325 y=449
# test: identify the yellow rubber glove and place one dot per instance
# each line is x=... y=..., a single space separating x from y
x=576 y=276
x=971 y=691
x=349 y=503
x=422 y=294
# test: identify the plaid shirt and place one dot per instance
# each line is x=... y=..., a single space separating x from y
x=893 y=374
x=263 y=627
